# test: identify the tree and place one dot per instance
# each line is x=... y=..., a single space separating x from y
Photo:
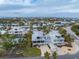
x=21 y=23
x=29 y=39
x=31 y=26
x=23 y=43
x=7 y=37
x=46 y=29
x=26 y=42
x=8 y=43
x=68 y=39
x=46 y=55
x=55 y=55
x=62 y=31
x=75 y=28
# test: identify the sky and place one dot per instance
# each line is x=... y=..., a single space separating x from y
x=39 y=8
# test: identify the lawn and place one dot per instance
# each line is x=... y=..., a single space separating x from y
x=31 y=52
x=2 y=52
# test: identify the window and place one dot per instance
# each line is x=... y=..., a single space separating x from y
x=34 y=41
x=42 y=41
x=16 y=32
x=38 y=37
x=38 y=41
x=58 y=36
x=55 y=40
x=61 y=40
x=15 y=29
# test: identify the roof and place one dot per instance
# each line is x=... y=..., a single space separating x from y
x=55 y=35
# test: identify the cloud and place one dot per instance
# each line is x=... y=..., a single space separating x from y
x=70 y=10
x=2 y=1
x=74 y=1
x=38 y=7
x=20 y=2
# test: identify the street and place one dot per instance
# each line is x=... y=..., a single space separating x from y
x=72 y=34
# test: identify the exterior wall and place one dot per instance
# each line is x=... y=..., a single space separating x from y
x=46 y=39
x=38 y=38
x=55 y=37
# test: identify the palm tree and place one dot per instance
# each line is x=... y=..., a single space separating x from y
x=7 y=37
x=29 y=39
x=55 y=55
x=62 y=31
x=7 y=44
x=68 y=39
x=46 y=55
x=46 y=29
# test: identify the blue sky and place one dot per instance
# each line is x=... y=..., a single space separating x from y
x=53 y=8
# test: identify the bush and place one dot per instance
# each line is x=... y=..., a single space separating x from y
x=46 y=55
x=55 y=55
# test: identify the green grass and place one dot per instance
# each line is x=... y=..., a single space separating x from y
x=2 y=52
x=31 y=52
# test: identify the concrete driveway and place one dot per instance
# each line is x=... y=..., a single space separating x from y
x=44 y=49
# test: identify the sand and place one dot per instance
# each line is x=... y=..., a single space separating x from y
x=68 y=50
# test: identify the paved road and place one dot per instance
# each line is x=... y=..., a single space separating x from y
x=25 y=58
x=69 y=31
x=76 y=56
x=72 y=34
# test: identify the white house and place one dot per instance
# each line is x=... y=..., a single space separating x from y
x=19 y=31
x=55 y=37
x=38 y=38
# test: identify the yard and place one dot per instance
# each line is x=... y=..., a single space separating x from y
x=31 y=52
x=2 y=52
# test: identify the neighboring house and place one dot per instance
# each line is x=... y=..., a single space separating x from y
x=36 y=24
x=38 y=38
x=8 y=24
x=3 y=31
x=59 y=24
x=14 y=24
x=18 y=31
